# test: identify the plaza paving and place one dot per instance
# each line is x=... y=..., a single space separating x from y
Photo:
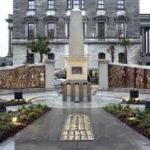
x=45 y=133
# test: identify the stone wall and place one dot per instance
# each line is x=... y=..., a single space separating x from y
x=125 y=76
x=22 y=77
x=20 y=9
x=60 y=43
x=94 y=49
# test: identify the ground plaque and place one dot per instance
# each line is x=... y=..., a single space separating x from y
x=77 y=128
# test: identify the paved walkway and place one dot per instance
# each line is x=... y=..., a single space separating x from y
x=109 y=133
x=53 y=99
x=45 y=133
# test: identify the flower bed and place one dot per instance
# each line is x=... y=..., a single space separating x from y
x=138 y=120
x=12 y=122
x=136 y=101
x=15 y=102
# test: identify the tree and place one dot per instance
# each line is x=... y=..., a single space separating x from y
x=111 y=49
x=125 y=43
x=41 y=46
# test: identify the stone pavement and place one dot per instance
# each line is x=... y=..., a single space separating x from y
x=53 y=99
x=109 y=133
x=45 y=133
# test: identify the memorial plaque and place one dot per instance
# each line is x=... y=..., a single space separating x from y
x=74 y=132
x=76 y=70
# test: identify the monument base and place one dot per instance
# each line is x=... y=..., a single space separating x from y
x=77 y=68
x=76 y=90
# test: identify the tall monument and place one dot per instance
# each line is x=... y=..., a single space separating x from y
x=76 y=87
x=76 y=62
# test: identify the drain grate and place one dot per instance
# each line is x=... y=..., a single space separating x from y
x=77 y=128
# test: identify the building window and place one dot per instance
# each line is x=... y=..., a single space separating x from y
x=76 y=4
x=31 y=4
x=51 y=29
x=100 y=4
x=148 y=64
x=84 y=29
x=69 y=4
x=121 y=4
x=30 y=58
x=121 y=58
x=31 y=30
x=51 y=56
x=147 y=41
x=82 y=4
x=67 y=29
x=101 y=56
x=101 y=29
x=79 y=4
x=121 y=29
x=51 y=4
x=3 y=64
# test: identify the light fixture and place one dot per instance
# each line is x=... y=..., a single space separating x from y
x=14 y=120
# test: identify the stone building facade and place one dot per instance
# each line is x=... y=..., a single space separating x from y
x=105 y=24
x=145 y=34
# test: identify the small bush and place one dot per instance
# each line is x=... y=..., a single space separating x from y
x=139 y=120
x=24 y=115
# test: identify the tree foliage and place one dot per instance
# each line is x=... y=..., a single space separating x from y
x=41 y=46
x=125 y=43
x=111 y=49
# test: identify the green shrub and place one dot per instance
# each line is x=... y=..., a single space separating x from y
x=133 y=120
x=146 y=120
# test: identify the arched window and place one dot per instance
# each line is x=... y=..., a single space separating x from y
x=101 y=56
x=51 y=56
x=30 y=58
x=148 y=64
x=121 y=58
x=3 y=64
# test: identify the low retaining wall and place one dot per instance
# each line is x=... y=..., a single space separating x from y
x=22 y=77
x=112 y=75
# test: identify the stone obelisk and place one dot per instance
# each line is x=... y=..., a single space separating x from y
x=77 y=66
x=76 y=87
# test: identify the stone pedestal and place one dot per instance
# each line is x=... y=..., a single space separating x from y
x=77 y=68
x=49 y=74
x=76 y=91
x=103 y=74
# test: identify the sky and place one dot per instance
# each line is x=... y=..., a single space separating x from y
x=6 y=8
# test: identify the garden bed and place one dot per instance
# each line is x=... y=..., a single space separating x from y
x=12 y=122
x=135 y=118
x=15 y=102
x=136 y=102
